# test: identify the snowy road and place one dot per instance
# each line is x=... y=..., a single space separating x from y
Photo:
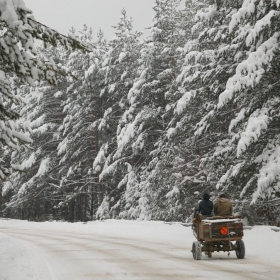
x=74 y=254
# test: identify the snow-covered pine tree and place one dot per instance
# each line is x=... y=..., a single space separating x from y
x=36 y=182
x=181 y=150
x=246 y=111
x=18 y=58
x=119 y=68
x=175 y=172
x=237 y=87
x=144 y=122
x=80 y=143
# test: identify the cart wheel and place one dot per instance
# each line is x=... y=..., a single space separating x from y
x=196 y=250
x=240 y=249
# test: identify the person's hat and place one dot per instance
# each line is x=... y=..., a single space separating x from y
x=222 y=195
x=206 y=196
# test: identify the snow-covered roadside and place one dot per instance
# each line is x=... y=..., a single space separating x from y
x=147 y=230
x=263 y=244
x=20 y=262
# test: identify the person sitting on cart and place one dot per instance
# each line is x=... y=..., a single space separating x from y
x=205 y=206
x=223 y=207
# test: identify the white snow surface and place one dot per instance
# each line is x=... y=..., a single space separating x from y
x=220 y=221
x=128 y=250
x=18 y=261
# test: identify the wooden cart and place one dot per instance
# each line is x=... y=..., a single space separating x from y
x=217 y=234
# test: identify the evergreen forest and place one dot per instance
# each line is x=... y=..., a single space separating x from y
x=141 y=128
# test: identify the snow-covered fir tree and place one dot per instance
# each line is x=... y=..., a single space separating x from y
x=120 y=65
x=143 y=124
x=249 y=103
x=80 y=143
x=37 y=178
x=20 y=63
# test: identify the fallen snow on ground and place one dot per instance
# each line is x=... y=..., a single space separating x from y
x=19 y=262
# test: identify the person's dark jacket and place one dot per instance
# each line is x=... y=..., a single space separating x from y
x=205 y=207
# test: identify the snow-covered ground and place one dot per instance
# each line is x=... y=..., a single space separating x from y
x=118 y=249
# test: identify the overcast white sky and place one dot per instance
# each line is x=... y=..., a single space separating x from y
x=98 y=14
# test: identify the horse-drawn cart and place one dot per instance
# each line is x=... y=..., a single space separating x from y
x=217 y=234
